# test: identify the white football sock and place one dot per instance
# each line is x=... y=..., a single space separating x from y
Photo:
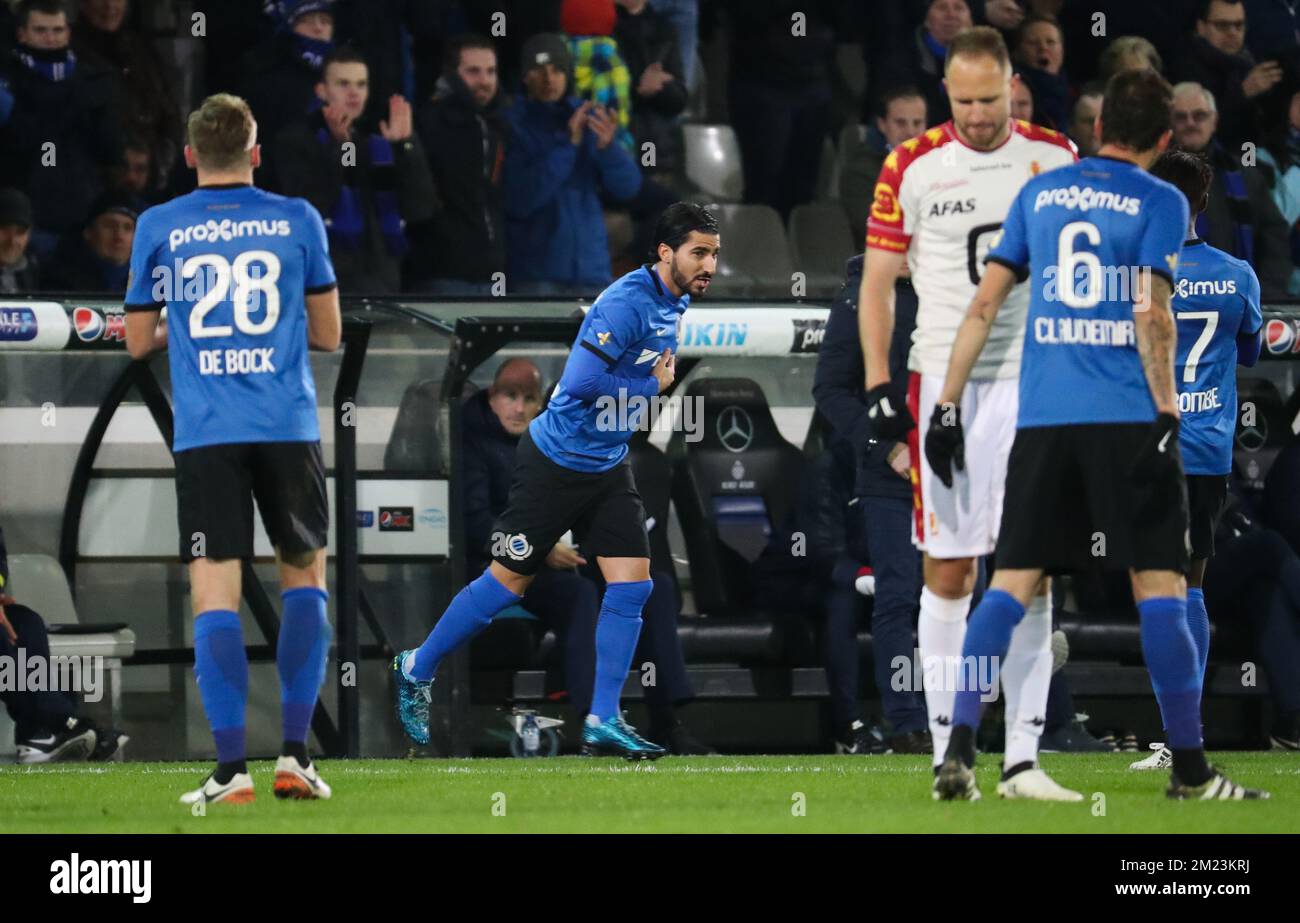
x=1026 y=675
x=940 y=631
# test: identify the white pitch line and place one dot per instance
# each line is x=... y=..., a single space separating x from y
x=491 y=767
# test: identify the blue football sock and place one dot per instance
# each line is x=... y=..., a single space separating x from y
x=300 y=656
x=469 y=613
x=988 y=635
x=617 y=631
x=1171 y=660
x=221 y=669
x=1198 y=623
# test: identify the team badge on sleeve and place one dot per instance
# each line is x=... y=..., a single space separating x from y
x=885 y=205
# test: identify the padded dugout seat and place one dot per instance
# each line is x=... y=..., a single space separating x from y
x=729 y=489
x=414 y=444
x=41 y=583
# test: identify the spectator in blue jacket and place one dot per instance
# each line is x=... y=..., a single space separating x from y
x=60 y=128
x=278 y=77
x=560 y=159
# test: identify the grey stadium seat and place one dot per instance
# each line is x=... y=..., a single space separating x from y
x=821 y=242
x=713 y=161
x=755 y=259
x=828 y=173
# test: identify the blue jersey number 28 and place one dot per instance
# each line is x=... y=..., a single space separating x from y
x=247 y=280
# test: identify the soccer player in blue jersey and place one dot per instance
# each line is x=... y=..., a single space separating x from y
x=1094 y=478
x=1216 y=306
x=571 y=469
x=246 y=281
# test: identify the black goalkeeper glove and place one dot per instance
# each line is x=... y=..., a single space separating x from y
x=888 y=417
x=1159 y=453
x=945 y=443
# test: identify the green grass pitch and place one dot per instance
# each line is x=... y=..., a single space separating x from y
x=729 y=794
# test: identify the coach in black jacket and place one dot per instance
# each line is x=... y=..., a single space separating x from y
x=460 y=248
x=884 y=502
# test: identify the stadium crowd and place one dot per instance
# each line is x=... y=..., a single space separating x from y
x=448 y=141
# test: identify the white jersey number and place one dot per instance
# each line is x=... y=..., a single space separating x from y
x=1069 y=259
x=247 y=280
x=1211 y=319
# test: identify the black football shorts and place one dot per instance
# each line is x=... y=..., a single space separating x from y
x=217 y=484
x=547 y=499
x=1072 y=503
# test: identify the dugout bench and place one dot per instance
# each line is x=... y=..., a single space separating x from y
x=733 y=656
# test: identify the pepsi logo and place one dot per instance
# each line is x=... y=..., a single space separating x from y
x=89 y=324
x=1279 y=337
x=396 y=519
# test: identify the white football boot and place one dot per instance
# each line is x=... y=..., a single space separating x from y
x=239 y=790
x=1035 y=785
x=297 y=782
x=1161 y=758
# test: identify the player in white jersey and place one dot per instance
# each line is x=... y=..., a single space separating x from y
x=938 y=207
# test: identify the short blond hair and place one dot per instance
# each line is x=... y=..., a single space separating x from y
x=979 y=41
x=221 y=132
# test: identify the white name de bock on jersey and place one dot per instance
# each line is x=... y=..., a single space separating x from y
x=943 y=203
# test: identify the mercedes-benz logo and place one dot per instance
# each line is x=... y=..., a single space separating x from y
x=1253 y=438
x=735 y=429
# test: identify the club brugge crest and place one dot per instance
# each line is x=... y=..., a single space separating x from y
x=517 y=546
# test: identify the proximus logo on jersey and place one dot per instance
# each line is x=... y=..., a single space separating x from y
x=226 y=229
x=1086 y=199
x=1187 y=288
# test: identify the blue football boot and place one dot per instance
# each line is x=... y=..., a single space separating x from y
x=413 y=700
x=615 y=737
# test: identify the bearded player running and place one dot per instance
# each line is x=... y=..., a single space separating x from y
x=571 y=470
x=938 y=206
